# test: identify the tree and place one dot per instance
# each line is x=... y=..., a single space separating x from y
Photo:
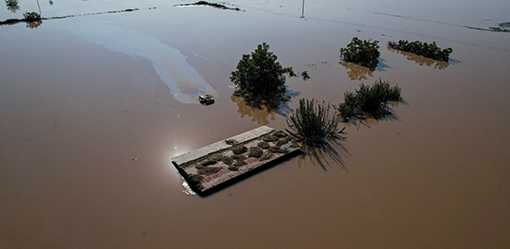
x=260 y=79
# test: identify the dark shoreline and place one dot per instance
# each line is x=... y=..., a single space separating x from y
x=24 y=20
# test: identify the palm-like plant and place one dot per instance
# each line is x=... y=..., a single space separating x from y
x=314 y=124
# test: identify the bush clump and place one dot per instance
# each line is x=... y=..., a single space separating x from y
x=32 y=17
x=260 y=78
x=362 y=52
x=314 y=124
x=429 y=50
x=12 y=5
x=369 y=101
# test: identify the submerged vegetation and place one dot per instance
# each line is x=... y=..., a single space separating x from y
x=362 y=52
x=32 y=17
x=305 y=75
x=12 y=5
x=370 y=101
x=429 y=50
x=314 y=124
x=260 y=78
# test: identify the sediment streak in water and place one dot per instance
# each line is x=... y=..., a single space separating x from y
x=168 y=62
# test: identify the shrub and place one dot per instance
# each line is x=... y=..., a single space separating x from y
x=260 y=79
x=361 y=52
x=305 y=75
x=314 y=124
x=32 y=17
x=12 y=5
x=369 y=101
x=429 y=50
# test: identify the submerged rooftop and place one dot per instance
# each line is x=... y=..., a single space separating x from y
x=214 y=166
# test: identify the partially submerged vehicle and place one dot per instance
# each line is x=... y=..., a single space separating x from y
x=206 y=99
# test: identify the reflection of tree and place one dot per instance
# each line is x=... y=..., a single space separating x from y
x=387 y=115
x=33 y=25
x=423 y=61
x=12 y=5
x=258 y=114
x=357 y=72
x=331 y=152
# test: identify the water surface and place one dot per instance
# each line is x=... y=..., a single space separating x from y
x=88 y=123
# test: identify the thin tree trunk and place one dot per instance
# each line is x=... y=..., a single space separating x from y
x=303 y=10
x=39 y=7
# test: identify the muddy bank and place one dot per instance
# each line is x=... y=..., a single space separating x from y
x=25 y=20
x=205 y=3
x=502 y=27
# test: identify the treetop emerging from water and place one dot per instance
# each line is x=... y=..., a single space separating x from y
x=362 y=52
x=260 y=79
x=429 y=50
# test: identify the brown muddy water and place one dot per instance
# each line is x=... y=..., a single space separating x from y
x=93 y=107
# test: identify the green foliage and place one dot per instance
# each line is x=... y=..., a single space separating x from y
x=429 y=50
x=32 y=17
x=260 y=78
x=369 y=101
x=305 y=75
x=361 y=52
x=314 y=124
x=12 y=5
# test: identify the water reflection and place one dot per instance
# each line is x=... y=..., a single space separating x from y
x=421 y=60
x=34 y=25
x=261 y=114
x=12 y=5
x=331 y=152
x=357 y=72
x=387 y=116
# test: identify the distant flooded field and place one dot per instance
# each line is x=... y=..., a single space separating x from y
x=94 y=105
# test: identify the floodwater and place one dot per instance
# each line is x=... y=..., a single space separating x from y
x=93 y=107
